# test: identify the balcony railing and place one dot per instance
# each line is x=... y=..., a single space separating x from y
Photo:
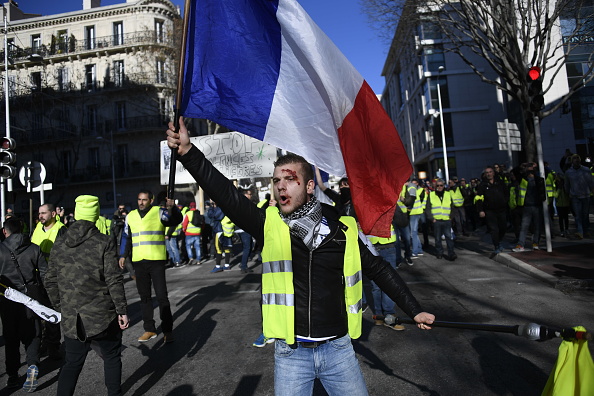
x=103 y=173
x=71 y=45
x=101 y=128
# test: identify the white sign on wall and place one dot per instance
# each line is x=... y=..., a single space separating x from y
x=235 y=155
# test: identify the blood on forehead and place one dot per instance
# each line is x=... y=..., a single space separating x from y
x=293 y=175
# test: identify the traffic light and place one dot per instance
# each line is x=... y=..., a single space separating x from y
x=535 y=93
x=7 y=158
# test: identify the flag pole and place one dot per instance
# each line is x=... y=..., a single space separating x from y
x=178 y=97
x=531 y=331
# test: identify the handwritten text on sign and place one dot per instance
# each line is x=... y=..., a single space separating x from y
x=234 y=154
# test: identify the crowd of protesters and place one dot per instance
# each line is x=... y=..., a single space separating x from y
x=503 y=200
x=500 y=200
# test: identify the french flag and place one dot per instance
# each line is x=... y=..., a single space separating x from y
x=264 y=68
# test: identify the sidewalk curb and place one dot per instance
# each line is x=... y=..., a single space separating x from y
x=512 y=262
x=560 y=284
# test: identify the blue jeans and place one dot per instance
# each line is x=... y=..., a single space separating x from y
x=581 y=208
x=246 y=241
x=403 y=243
x=443 y=227
x=193 y=241
x=530 y=214
x=382 y=304
x=333 y=363
x=172 y=249
x=417 y=248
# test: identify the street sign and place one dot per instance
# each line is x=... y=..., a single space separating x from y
x=36 y=176
x=514 y=136
x=235 y=155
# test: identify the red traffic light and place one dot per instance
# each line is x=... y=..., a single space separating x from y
x=7 y=143
x=534 y=73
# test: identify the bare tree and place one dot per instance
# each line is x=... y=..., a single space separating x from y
x=510 y=35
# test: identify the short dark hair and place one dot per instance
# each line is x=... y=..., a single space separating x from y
x=50 y=207
x=344 y=180
x=12 y=225
x=291 y=158
x=147 y=192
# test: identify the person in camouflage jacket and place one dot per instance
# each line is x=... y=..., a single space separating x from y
x=85 y=284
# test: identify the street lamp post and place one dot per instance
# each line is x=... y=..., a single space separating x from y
x=7 y=115
x=443 y=139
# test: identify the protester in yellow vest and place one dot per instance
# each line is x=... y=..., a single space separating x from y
x=144 y=239
x=223 y=245
x=313 y=262
x=439 y=208
x=384 y=312
x=48 y=229
x=44 y=235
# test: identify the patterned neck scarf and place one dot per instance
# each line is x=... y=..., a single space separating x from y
x=305 y=222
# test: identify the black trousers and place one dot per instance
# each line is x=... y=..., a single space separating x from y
x=497 y=224
x=109 y=344
x=152 y=273
x=19 y=326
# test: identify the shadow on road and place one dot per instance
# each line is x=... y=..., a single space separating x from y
x=195 y=331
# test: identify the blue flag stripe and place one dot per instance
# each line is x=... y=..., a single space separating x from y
x=232 y=65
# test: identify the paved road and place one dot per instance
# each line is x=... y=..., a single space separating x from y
x=217 y=318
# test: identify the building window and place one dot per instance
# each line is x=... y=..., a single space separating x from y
x=118 y=73
x=62 y=41
x=63 y=80
x=94 y=160
x=432 y=59
x=66 y=164
x=90 y=77
x=64 y=118
x=160 y=71
x=164 y=110
x=92 y=120
x=120 y=110
x=90 y=37
x=159 y=30
x=122 y=159
x=118 y=33
x=428 y=29
x=35 y=42
x=36 y=81
x=37 y=122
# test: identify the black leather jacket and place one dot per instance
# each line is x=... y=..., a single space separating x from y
x=317 y=275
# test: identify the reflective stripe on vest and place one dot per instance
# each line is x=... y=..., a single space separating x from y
x=383 y=241
x=45 y=239
x=278 y=295
x=441 y=209
x=522 y=191
x=191 y=228
x=513 y=199
x=418 y=204
x=457 y=198
x=228 y=227
x=549 y=181
x=148 y=235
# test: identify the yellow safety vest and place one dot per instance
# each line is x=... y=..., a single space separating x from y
x=522 y=188
x=228 y=227
x=278 y=295
x=101 y=225
x=418 y=205
x=45 y=239
x=440 y=209
x=549 y=184
x=191 y=228
x=456 y=195
x=383 y=241
x=148 y=235
x=513 y=199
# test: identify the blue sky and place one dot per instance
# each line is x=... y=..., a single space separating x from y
x=341 y=20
